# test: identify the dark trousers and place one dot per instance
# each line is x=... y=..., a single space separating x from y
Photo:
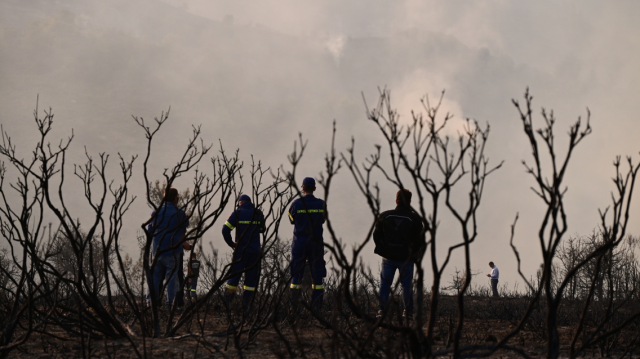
x=386 y=280
x=165 y=270
x=249 y=263
x=494 y=287
x=313 y=253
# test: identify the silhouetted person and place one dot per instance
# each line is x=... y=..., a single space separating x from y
x=307 y=214
x=168 y=226
x=400 y=242
x=494 y=275
x=193 y=272
x=248 y=222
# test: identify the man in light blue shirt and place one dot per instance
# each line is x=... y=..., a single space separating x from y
x=494 y=275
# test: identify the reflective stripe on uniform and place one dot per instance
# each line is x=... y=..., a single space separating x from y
x=248 y=222
x=229 y=225
x=319 y=286
x=295 y=286
x=310 y=211
x=230 y=287
x=290 y=217
x=252 y=289
x=193 y=290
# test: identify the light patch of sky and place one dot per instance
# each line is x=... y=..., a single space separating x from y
x=420 y=90
x=335 y=45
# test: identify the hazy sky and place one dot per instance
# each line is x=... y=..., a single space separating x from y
x=255 y=74
x=586 y=50
x=543 y=34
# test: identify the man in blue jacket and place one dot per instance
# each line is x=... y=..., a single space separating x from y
x=248 y=222
x=168 y=225
x=308 y=214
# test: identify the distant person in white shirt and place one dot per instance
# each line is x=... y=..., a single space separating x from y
x=494 y=275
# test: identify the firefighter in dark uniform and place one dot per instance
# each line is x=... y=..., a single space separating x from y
x=248 y=222
x=308 y=214
x=193 y=272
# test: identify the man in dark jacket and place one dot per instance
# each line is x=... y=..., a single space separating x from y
x=248 y=222
x=399 y=240
x=168 y=226
x=307 y=214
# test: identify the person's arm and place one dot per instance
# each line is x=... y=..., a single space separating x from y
x=263 y=226
x=421 y=242
x=152 y=221
x=186 y=245
x=325 y=214
x=378 y=231
x=229 y=225
x=493 y=273
x=292 y=213
x=183 y=223
x=184 y=220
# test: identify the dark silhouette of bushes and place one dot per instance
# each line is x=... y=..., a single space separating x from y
x=62 y=280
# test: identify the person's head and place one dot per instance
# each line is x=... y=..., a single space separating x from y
x=403 y=198
x=171 y=195
x=308 y=185
x=243 y=199
x=491 y=264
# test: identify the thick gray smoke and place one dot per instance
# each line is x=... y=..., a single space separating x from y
x=255 y=74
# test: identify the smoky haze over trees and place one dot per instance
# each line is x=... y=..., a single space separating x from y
x=75 y=284
x=256 y=78
x=255 y=85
